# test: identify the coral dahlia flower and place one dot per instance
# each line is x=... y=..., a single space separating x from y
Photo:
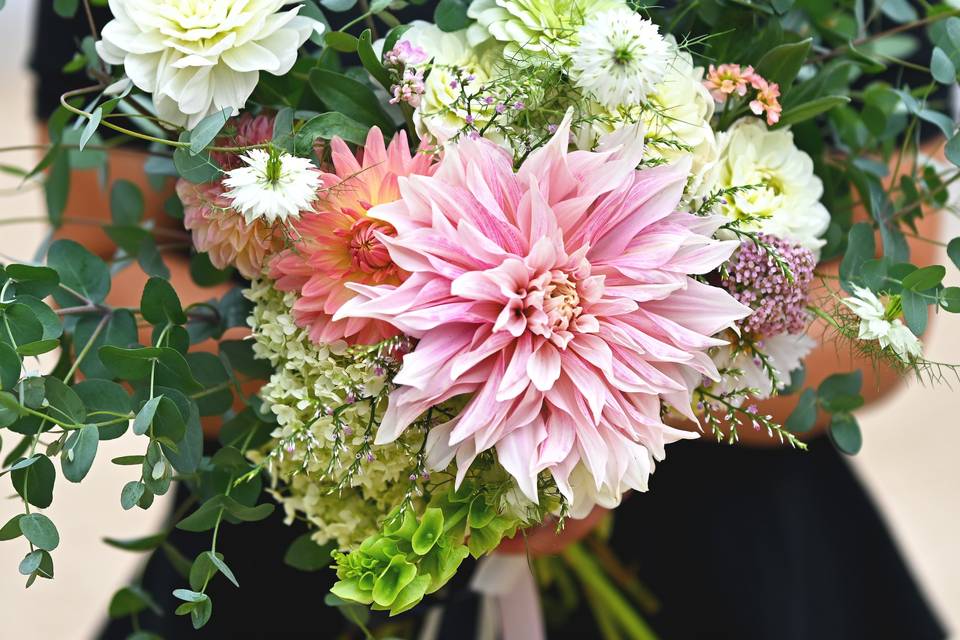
x=339 y=243
x=559 y=297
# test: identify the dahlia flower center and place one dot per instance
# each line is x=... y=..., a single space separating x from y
x=367 y=253
x=562 y=303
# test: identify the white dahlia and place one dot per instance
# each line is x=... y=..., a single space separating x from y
x=272 y=186
x=198 y=57
x=785 y=198
x=621 y=57
x=534 y=27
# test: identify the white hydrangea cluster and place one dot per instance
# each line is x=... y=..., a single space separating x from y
x=323 y=462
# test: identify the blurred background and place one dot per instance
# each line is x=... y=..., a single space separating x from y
x=908 y=462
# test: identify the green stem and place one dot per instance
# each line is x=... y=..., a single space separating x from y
x=86 y=348
x=618 y=607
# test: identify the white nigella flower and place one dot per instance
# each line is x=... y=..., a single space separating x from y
x=875 y=325
x=273 y=186
x=197 y=57
x=621 y=57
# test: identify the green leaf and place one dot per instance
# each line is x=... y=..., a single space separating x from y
x=147 y=543
x=129 y=364
x=952 y=151
x=104 y=396
x=950 y=299
x=160 y=304
x=38 y=282
x=338 y=5
x=79 y=270
x=141 y=424
x=56 y=188
x=79 y=452
x=371 y=62
x=131 y=600
x=207 y=130
x=31 y=562
x=811 y=109
x=48 y=319
x=861 y=247
x=327 y=126
x=925 y=278
x=845 y=433
x=306 y=555
x=451 y=15
x=429 y=531
x=341 y=41
x=205 y=274
x=150 y=260
x=168 y=423
x=23 y=325
x=398 y=574
x=9 y=366
x=240 y=355
x=188 y=596
x=941 y=67
x=40 y=530
x=782 y=63
x=914 y=311
x=63 y=403
x=194 y=167
x=38 y=347
x=840 y=390
x=131 y=493
x=127 y=461
x=346 y=95
x=35 y=482
x=66 y=8
x=121 y=331
x=11 y=530
x=126 y=203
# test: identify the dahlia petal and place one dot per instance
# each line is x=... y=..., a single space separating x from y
x=543 y=366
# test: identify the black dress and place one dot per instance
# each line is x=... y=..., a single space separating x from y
x=735 y=542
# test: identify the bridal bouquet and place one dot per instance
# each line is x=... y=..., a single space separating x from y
x=492 y=265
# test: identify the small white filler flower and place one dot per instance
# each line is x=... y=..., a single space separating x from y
x=621 y=57
x=876 y=325
x=274 y=185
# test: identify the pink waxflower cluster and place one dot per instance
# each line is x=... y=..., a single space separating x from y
x=779 y=301
x=728 y=79
x=556 y=298
x=410 y=88
x=404 y=54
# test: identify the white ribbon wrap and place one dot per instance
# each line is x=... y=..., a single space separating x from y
x=510 y=603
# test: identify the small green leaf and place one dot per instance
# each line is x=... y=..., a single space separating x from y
x=861 y=247
x=952 y=151
x=35 y=482
x=327 y=126
x=811 y=109
x=79 y=270
x=950 y=299
x=160 y=304
x=130 y=494
x=11 y=529
x=925 y=278
x=131 y=600
x=147 y=543
x=141 y=424
x=914 y=311
x=31 y=562
x=941 y=67
x=341 y=41
x=195 y=167
x=79 y=452
x=451 y=15
x=345 y=95
x=306 y=555
x=126 y=203
x=845 y=433
x=207 y=130
x=782 y=63
x=40 y=530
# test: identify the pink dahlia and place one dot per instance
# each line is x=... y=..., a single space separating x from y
x=339 y=243
x=559 y=298
x=222 y=232
x=245 y=130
